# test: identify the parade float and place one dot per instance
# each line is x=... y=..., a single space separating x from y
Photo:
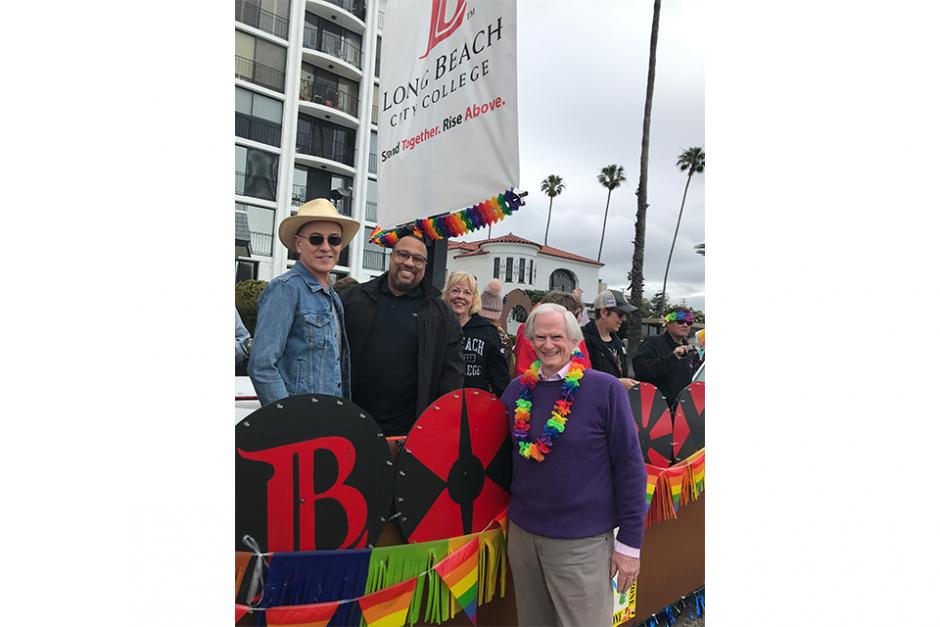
x=336 y=524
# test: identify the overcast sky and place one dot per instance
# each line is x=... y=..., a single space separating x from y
x=582 y=84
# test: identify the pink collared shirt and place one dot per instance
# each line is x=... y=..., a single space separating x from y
x=619 y=547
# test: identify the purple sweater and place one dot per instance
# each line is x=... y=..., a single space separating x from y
x=594 y=479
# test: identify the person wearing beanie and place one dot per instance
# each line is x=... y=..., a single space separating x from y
x=485 y=366
x=492 y=302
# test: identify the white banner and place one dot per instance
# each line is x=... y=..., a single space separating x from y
x=448 y=130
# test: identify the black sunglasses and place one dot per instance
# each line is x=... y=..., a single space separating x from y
x=316 y=239
x=682 y=322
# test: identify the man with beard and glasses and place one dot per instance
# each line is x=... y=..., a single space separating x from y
x=300 y=346
x=404 y=341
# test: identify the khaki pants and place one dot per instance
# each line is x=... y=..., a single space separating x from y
x=561 y=582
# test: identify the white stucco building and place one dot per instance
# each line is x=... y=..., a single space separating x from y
x=524 y=264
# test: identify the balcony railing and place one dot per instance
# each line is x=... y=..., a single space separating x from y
x=319 y=146
x=257 y=129
x=298 y=195
x=253 y=15
x=261 y=243
x=356 y=7
x=373 y=260
x=257 y=187
x=381 y=19
x=372 y=211
x=373 y=163
x=259 y=74
x=325 y=93
x=333 y=45
x=375 y=114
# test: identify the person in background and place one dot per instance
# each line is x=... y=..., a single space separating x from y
x=404 y=340
x=300 y=346
x=577 y=473
x=523 y=351
x=243 y=341
x=579 y=296
x=664 y=360
x=343 y=283
x=491 y=300
x=484 y=364
x=607 y=351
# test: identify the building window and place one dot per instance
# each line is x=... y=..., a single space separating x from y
x=331 y=90
x=257 y=117
x=267 y=15
x=310 y=183
x=378 y=55
x=255 y=173
x=531 y=263
x=323 y=139
x=374 y=257
x=261 y=227
x=334 y=40
x=509 y=269
x=373 y=153
x=495 y=267
x=245 y=270
x=561 y=280
x=521 y=270
x=372 y=206
x=259 y=61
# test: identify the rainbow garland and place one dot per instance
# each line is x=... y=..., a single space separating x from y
x=453 y=224
x=556 y=423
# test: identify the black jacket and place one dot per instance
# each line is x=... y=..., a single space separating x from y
x=601 y=359
x=440 y=361
x=484 y=363
x=655 y=363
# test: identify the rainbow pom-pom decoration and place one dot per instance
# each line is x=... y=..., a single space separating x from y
x=453 y=224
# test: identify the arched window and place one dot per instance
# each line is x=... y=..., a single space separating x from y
x=561 y=280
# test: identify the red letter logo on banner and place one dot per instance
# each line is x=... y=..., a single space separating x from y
x=442 y=28
x=296 y=459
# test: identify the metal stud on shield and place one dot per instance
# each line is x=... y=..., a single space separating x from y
x=454 y=472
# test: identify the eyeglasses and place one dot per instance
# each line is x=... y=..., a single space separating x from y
x=457 y=291
x=685 y=322
x=404 y=255
x=316 y=239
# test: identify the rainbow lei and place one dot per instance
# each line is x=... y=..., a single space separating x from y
x=556 y=424
x=453 y=224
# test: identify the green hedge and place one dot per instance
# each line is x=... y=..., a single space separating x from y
x=247 y=294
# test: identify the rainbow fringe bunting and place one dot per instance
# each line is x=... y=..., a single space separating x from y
x=453 y=224
x=669 y=488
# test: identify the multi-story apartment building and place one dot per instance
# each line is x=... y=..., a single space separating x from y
x=306 y=124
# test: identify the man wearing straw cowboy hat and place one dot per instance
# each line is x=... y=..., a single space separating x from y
x=300 y=344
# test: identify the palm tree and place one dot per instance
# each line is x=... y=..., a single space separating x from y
x=634 y=321
x=692 y=160
x=610 y=177
x=552 y=186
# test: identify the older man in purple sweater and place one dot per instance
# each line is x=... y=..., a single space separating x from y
x=571 y=486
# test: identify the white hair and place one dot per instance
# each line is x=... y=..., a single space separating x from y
x=574 y=331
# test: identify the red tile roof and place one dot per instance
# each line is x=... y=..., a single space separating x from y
x=475 y=248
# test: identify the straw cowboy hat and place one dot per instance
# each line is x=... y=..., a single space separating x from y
x=313 y=211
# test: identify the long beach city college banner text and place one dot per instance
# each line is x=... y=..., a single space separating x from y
x=448 y=123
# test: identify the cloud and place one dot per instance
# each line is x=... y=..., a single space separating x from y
x=582 y=86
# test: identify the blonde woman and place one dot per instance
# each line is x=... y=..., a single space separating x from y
x=485 y=367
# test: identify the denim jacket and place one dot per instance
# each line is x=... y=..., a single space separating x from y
x=295 y=349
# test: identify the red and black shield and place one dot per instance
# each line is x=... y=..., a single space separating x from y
x=453 y=476
x=689 y=429
x=311 y=472
x=653 y=423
